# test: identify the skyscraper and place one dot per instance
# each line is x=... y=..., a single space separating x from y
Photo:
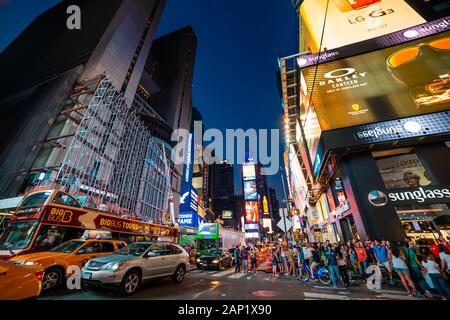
x=49 y=74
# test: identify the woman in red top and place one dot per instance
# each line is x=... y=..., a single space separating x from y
x=361 y=253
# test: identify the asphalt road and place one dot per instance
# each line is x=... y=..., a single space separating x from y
x=226 y=285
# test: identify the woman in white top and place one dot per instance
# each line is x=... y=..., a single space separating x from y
x=435 y=274
x=399 y=264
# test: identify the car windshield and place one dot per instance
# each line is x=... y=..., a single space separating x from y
x=134 y=249
x=214 y=252
x=35 y=200
x=68 y=247
x=18 y=235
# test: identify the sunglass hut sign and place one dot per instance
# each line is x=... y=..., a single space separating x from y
x=411 y=196
x=343 y=79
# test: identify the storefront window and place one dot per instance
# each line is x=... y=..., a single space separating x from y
x=403 y=171
x=424 y=223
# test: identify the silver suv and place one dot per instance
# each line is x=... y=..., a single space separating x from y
x=129 y=266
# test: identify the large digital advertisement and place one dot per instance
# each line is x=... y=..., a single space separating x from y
x=351 y=21
x=251 y=211
x=397 y=82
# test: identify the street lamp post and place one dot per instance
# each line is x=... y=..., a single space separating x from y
x=288 y=203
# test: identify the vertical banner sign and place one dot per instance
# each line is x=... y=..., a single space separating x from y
x=189 y=196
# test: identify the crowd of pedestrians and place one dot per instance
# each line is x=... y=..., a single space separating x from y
x=398 y=262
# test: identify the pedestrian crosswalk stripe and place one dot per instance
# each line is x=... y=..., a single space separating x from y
x=325 y=296
x=223 y=273
x=392 y=291
x=236 y=276
x=395 y=296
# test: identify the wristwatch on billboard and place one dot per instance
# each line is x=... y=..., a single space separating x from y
x=349 y=5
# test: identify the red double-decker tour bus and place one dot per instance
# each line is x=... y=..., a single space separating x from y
x=44 y=219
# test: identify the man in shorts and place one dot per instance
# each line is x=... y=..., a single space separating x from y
x=382 y=256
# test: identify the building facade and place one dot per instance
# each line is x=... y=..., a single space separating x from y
x=366 y=142
x=85 y=117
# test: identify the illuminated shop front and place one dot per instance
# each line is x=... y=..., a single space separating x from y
x=422 y=203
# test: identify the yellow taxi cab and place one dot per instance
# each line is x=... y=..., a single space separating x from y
x=19 y=282
x=71 y=253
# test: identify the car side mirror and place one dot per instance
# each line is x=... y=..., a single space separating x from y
x=150 y=254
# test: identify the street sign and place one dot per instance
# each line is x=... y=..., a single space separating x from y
x=288 y=225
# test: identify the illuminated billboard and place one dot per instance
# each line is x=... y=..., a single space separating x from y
x=267 y=224
x=227 y=214
x=401 y=81
x=251 y=211
x=351 y=21
x=250 y=192
x=248 y=172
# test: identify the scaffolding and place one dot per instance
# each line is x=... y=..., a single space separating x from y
x=113 y=160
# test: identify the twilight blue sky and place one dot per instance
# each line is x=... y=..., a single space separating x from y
x=238 y=45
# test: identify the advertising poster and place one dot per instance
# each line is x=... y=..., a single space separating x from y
x=248 y=172
x=227 y=214
x=405 y=171
x=251 y=211
x=351 y=21
x=250 y=192
x=406 y=80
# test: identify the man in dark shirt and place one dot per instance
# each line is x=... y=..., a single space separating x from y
x=237 y=259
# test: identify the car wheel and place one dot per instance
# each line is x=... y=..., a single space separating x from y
x=220 y=267
x=52 y=278
x=130 y=282
x=180 y=272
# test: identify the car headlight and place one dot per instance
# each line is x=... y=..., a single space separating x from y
x=198 y=260
x=26 y=263
x=113 y=266
x=216 y=261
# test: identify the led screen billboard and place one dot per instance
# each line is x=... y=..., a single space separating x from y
x=251 y=211
x=248 y=172
x=227 y=214
x=250 y=192
x=351 y=21
x=397 y=82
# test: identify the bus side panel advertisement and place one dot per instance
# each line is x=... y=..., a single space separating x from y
x=93 y=220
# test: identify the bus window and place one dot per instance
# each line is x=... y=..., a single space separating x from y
x=35 y=200
x=50 y=236
x=18 y=235
x=64 y=199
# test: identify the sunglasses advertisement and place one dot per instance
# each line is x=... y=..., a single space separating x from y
x=402 y=81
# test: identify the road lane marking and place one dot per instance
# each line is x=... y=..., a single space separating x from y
x=392 y=291
x=223 y=273
x=236 y=276
x=396 y=296
x=325 y=296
